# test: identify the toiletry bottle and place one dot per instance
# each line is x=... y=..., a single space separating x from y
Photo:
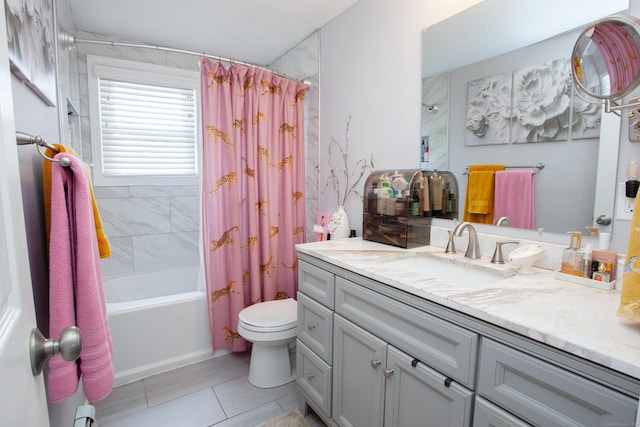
x=436 y=192
x=572 y=256
x=586 y=261
x=426 y=199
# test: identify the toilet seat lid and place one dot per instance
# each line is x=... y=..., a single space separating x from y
x=271 y=314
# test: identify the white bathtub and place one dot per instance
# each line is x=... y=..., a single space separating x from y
x=158 y=321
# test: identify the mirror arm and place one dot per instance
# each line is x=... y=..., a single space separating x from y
x=610 y=107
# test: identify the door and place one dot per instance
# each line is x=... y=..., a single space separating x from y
x=22 y=396
x=417 y=395
x=358 y=378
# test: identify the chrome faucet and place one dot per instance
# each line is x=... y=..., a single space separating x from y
x=473 y=248
x=503 y=221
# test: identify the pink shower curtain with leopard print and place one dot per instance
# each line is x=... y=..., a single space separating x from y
x=253 y=203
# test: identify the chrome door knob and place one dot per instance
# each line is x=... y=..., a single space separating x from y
x=375 y=363
x=388 y=373
x=41 y=349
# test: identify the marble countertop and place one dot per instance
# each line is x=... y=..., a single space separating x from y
x=576 y=319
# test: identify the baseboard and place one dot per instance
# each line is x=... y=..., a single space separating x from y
x=144 y=371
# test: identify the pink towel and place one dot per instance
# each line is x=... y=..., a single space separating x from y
x=514 y=197
x=76 y=296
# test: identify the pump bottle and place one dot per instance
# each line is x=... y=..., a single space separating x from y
x=573 y=255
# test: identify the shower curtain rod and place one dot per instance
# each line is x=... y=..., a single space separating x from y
x=71 y=40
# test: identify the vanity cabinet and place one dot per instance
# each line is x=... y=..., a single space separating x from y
x=372 y=355
x=544 y=394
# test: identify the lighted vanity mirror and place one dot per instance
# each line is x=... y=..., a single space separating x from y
x=501 y=38
x=605 y=63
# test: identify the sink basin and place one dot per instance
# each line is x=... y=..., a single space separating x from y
x=424 y=267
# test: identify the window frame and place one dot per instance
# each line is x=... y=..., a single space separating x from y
x=142 y=73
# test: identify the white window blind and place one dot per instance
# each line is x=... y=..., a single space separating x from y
x=147 y=130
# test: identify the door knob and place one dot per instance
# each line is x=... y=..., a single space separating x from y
x=41 y=349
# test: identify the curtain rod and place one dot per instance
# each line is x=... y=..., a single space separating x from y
x=70 y=41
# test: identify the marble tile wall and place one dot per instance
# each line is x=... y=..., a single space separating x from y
x=303 y=62
x=157 y=227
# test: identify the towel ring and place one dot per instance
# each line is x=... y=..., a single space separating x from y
x=64 y=161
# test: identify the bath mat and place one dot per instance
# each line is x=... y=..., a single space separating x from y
x=290 y=419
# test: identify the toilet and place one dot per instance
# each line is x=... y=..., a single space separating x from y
x=270 y=326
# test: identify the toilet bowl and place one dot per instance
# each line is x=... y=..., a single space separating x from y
x=270 y=326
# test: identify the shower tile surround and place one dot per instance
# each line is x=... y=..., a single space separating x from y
x=157 y=227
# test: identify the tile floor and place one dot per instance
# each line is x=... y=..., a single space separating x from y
x=215 y=392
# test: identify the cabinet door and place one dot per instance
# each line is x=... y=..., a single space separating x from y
x=358 y=379
x=419 y=396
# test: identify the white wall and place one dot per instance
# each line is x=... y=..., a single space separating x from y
x=370 y=65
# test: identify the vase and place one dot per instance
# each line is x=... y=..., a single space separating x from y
x=339 y=225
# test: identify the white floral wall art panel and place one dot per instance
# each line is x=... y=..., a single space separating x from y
x=31 y=37
x=585 y=118
x=488 y=110
x=541 y=102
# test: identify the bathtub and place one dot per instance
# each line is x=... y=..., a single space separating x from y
x=158 y=321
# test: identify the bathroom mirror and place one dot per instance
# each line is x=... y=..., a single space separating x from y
x=502 y=36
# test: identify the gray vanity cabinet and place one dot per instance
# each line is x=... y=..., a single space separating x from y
x=371 y=355
x=376 y=384
x=546 y=395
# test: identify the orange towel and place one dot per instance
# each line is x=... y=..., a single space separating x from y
x=630 y=294
x=478 y=204
x=103 y=242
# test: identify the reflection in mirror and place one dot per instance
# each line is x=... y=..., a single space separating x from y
x=462 y=49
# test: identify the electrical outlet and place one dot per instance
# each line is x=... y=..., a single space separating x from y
x=624 y=209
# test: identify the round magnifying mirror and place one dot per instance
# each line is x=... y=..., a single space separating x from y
x=605 y=63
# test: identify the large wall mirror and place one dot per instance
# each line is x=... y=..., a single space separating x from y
x=500 y=38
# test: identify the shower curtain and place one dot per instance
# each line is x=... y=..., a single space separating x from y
x=252 y=193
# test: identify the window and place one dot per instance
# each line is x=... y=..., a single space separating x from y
x=144 y=123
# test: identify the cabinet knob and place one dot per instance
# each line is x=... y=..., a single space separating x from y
x=311 y=376
x=311 y=326
x=375 y=363
x=388 y=373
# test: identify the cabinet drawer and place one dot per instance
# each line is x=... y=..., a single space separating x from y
x=450 y=349
x=315 y=327
x=486 y=414
x=544 y=394
x=313 y=376
x=316 y=283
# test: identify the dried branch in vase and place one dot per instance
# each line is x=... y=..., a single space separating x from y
x=343 y=182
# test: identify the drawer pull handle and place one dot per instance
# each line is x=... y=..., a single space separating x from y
x=375 y=363
x=311 y=326
x=311 y=376
x=388 y=373
x=414 y=362
x=447 y=382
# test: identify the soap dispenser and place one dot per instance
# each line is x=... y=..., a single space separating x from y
x=572 y=256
